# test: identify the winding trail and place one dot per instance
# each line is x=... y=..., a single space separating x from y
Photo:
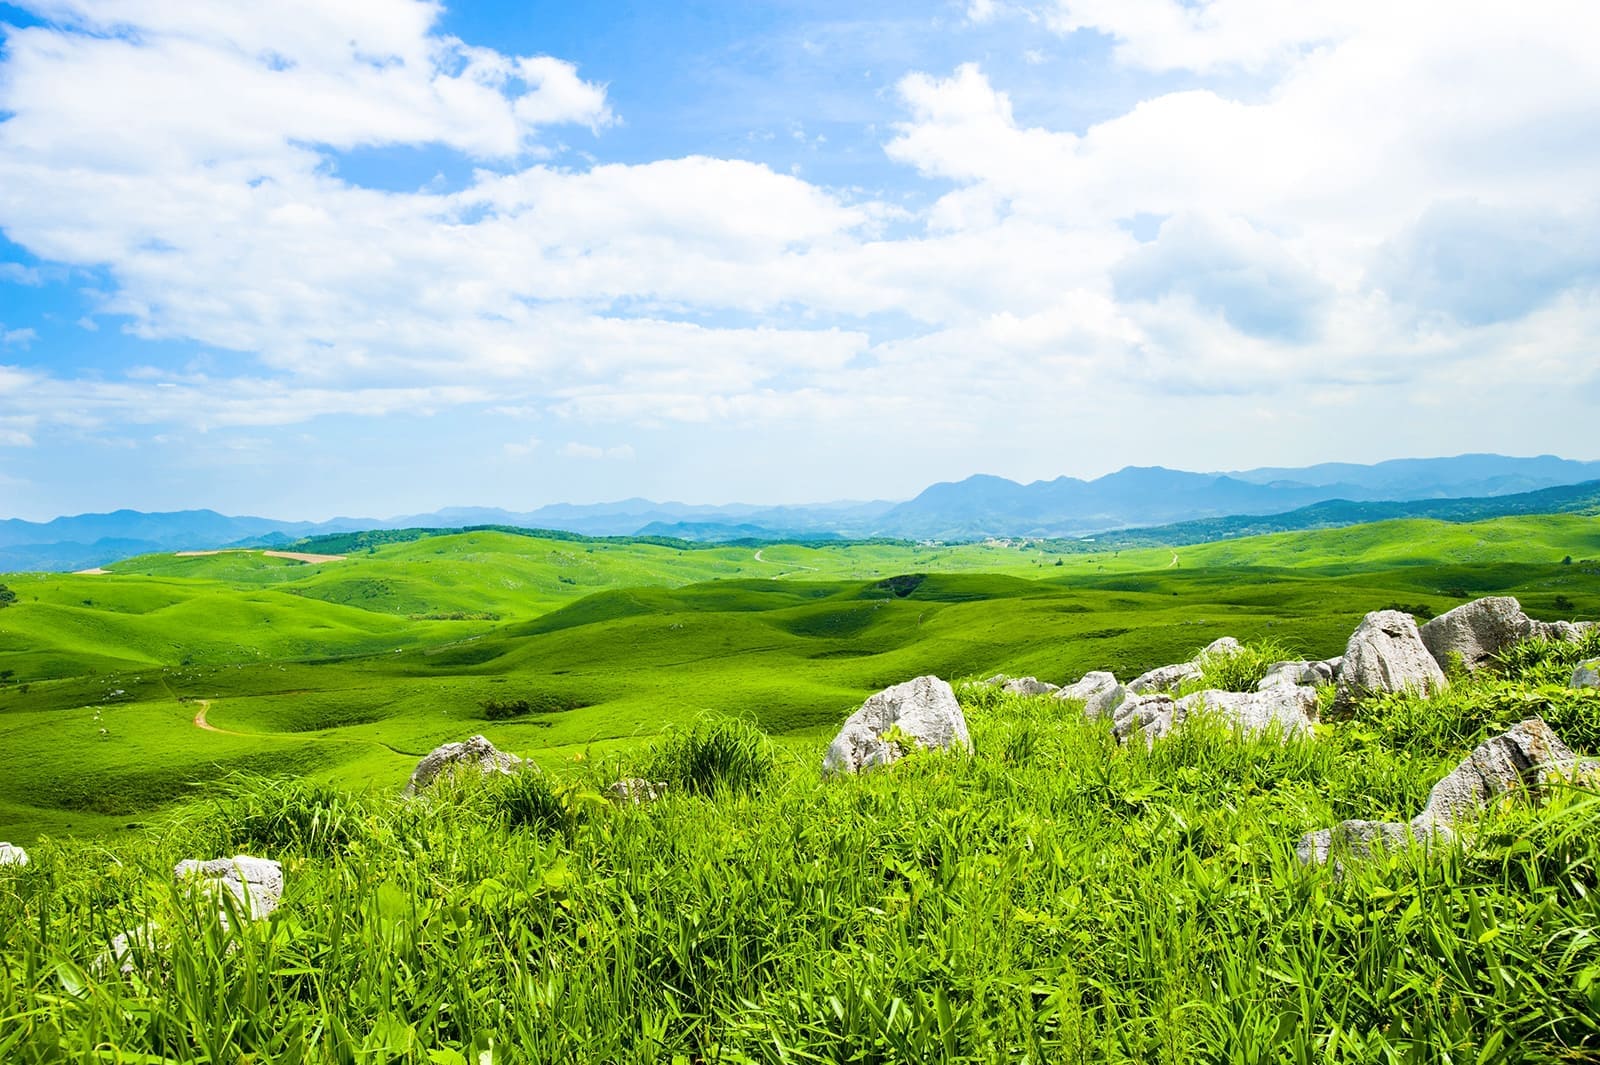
x=1174 y=561
x=200 y=721
x=779 y=576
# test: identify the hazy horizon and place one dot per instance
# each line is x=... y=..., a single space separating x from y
x=381 y=259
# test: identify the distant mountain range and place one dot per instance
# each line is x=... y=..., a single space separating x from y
x=980 y=506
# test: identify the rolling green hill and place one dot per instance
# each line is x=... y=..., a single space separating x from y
x=348 y=669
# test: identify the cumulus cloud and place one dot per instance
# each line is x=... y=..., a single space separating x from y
x=1361 y=195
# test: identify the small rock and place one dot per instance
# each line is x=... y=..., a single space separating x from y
x=1559 y=631
x=146 y=938
x=1587 y=674
x=923 y=709
x=993 y=682
x=1222 y=645
x=1099 y=692
x=1291 y=674
x=1511 y=764
x=1386 y=654
x=476 y=752
x=636 y=790
x=1163 y=678
x=1150 y=715
x=1029 y=686
x=11 y=854
x=1477 y=631
x=257 y=883
x=1360 y=839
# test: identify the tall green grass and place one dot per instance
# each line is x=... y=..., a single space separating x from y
x=1047 y=897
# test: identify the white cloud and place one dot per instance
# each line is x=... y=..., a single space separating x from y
x=1300 y=225
x=620 y=452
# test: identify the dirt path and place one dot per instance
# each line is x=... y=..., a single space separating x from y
x=200 y=721
x=797 y=569
x=1174 y=561
x=293 y=556
x=96 y=572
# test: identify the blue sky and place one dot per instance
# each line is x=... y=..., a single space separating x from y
x=384 y=256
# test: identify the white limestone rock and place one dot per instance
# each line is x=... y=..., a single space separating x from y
x=1476 y=631
x=923 y=709
x=1362 y=839
x=1386 y=654
x=1513 y=764
x=1163 y=678
x=1029 y=686
x=1291 y=674
x=476 y=753
x=257 y=883
x=11 y=854
x=1099 y=693
x=636 y=790
x=1587 y=674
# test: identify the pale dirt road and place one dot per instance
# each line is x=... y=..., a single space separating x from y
x=294 y=556
x=1174 y=561
x=200 y=721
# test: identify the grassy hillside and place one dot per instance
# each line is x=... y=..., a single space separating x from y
x=1049 y=897
x=333 y=669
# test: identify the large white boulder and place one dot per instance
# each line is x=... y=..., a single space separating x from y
x=257 y=883
x=1476 y=631
x=11 y=854
x=923 y=710
x=1163 y=678
x=1386 y=654
x=475 y=753
x=1099 y=693
x=1513 y=764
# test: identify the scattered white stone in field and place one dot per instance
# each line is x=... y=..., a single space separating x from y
x=993 y=682
x=1559 y=631
x=636 y=790
x=1291 y=674
x=476 y=752
x=1361 y=839
x=1386 y=654
x=1512 y=764
x=1289 y=709
x=1029 y=686
x=1222 y=645
x=257 y=883
x=923 y=710
x=1099 y=692
x=11 y=854
x=1587 y=674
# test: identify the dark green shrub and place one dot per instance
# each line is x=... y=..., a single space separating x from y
x=7 y=596
x=715 y=753
x=270 y=816
x=530 y=799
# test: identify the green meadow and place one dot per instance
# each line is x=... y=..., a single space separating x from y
x=1047 y=897
x=350 y=670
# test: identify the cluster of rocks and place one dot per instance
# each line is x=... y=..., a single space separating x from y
x=1521 y=765
x=1387 y=652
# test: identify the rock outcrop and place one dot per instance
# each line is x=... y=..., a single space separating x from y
x=1099 y=693
x=922 y=710
x=11 y=854
x=1587 y=674
x=1386 y=654
x=1519 y=764
x=256 y=883
x=1290 y=709
x=476 y=753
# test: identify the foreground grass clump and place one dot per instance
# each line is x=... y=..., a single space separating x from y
x=1048 y=897
x=1240 y=669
